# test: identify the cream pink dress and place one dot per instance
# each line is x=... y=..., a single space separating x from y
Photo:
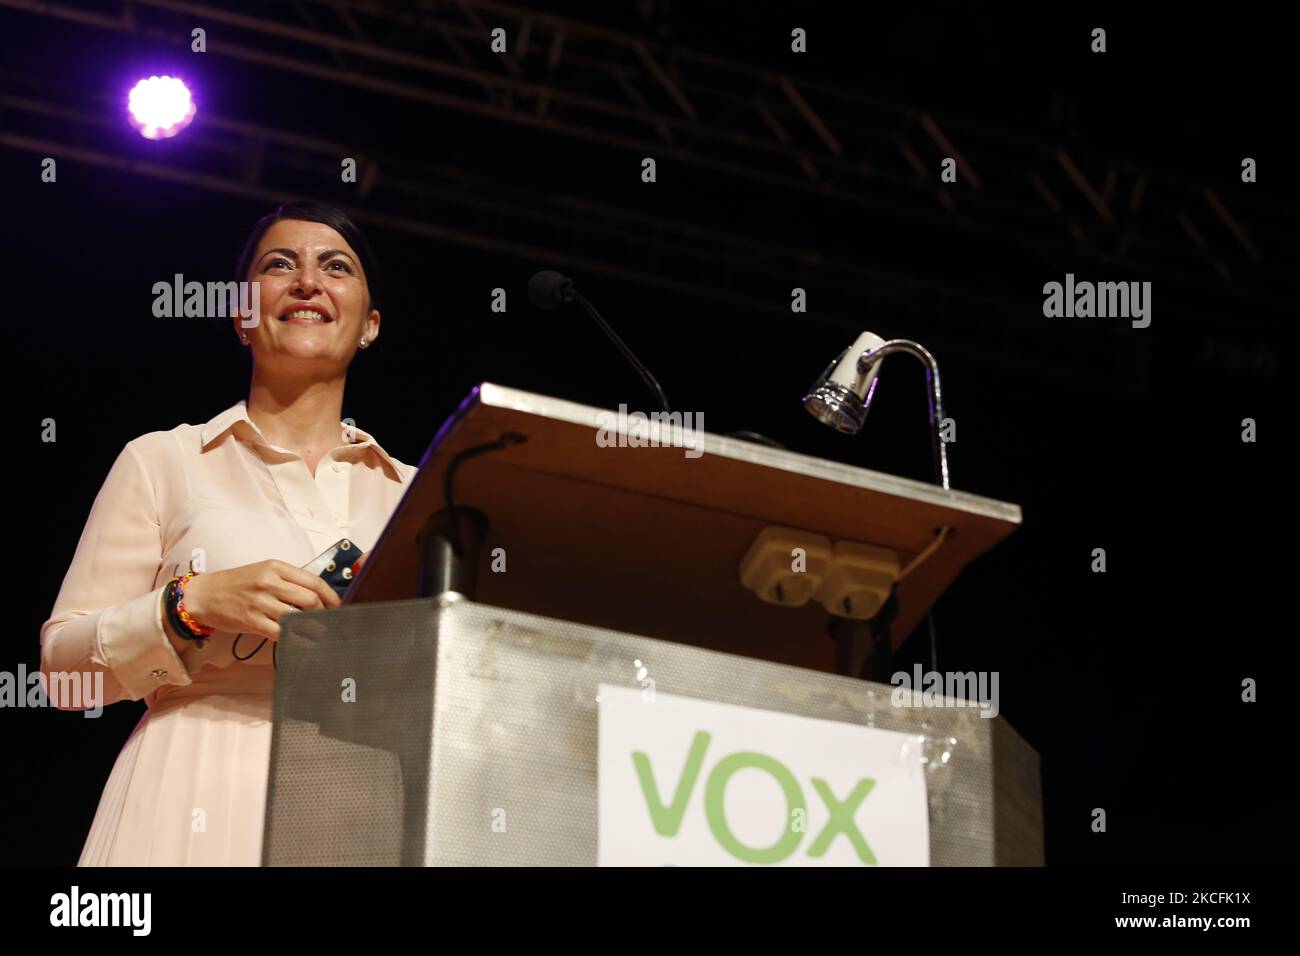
x=189 y=787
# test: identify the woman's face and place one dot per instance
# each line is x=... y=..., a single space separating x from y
x=313 y=297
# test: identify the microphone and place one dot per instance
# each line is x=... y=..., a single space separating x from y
x=548 y=289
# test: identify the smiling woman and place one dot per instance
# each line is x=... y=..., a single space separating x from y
x=314 y=271
x=240 y=502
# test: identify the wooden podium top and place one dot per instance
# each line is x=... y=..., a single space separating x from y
x=649 y=540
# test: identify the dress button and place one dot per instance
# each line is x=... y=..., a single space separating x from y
x=338 y=467
x=158 y=674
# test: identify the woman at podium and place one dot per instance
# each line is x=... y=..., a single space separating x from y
x=195 y=545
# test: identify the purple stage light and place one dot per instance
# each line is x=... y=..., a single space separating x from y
x=160 y=106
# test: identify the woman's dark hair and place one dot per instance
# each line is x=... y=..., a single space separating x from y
x=307 y=211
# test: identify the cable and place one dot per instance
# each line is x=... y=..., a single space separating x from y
x=929 y=550
x=934 y=643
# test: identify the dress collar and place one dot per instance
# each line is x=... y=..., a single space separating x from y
x=236 y=418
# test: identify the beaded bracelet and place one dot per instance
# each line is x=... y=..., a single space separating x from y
x=190 y=628
x=169 y=611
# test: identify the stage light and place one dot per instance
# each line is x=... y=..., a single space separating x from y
x=160 y=107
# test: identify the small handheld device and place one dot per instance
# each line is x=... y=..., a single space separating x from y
x=336 y=564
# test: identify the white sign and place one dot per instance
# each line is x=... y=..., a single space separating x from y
x=685 y=782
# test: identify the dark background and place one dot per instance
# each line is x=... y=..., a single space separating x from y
x=1127 y=683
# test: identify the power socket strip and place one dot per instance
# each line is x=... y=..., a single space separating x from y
x=791 y=567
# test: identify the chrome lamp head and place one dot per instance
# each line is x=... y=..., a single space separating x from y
x=842 y=395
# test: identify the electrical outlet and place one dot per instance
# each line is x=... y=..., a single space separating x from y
x=859 y=580
x=785 y=565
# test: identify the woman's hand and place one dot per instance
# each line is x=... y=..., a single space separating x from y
x=252 y=599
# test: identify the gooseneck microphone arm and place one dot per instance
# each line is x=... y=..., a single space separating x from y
x=644 y=372
x=548 y=289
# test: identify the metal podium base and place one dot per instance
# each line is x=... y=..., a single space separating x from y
x=426 y=732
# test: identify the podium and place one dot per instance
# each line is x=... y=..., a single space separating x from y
x=422 y=725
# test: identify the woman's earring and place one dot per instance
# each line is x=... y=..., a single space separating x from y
x=364 y=343
x=244 y=338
